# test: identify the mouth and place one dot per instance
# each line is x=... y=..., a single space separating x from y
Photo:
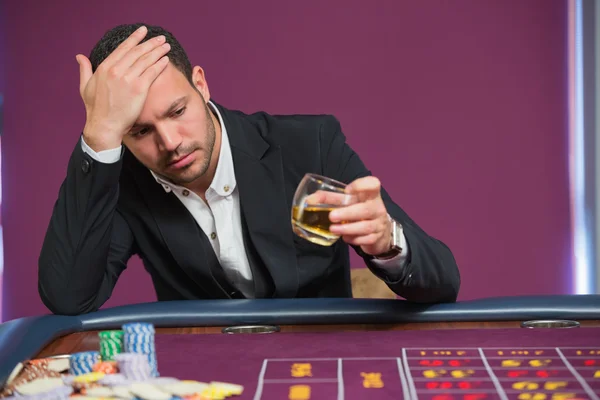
x=182 y=161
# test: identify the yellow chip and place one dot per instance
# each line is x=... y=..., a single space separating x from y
x=230 y=388
x=214 y=393
x=89 y=378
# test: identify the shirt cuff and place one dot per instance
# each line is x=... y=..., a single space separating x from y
x=110 y=156
x=396 y=263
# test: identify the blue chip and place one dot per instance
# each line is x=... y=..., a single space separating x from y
x=138 y=327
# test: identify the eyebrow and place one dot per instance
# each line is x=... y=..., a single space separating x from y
x=169 y=110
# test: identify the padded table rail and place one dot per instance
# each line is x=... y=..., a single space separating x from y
x=22 y=339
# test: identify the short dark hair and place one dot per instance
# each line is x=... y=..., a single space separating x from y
x=114 y=37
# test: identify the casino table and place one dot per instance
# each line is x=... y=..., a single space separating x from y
x=350 y=348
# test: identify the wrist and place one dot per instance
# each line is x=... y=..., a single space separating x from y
x=101 y=139
x=394 y=248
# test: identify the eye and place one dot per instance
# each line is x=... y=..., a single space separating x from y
x=141 y=132
x=179 y=112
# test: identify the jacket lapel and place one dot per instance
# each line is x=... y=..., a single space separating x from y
x=187 y=243
x=259 y=176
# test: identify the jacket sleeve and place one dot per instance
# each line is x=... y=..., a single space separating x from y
x=430 y=274
x=87 y=243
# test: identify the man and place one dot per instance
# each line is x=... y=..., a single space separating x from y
x=203 y=194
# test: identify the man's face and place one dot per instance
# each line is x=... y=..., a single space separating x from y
x=174 y=136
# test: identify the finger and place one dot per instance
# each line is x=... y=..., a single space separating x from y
x=85 y=71
x=367 y=240
x=128 y=44
x=330 y=198
x=154 y=71
x=368 y=210
x=138 y=52
x=360 y=228
x=367 y=187
x=149 y=59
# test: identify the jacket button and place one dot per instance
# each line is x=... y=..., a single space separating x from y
x=85 y=166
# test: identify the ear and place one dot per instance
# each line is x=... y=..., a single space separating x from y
x=200 y=82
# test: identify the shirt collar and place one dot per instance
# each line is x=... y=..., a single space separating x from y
x=223 y=183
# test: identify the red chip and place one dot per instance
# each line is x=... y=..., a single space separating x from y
x=107 y=367
x=196 y=396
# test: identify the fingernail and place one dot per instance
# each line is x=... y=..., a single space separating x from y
x=141 y=28
x=333 y=215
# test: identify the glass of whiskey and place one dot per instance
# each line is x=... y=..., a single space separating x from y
x=315 y=197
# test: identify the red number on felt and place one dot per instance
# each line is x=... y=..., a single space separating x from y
x=546 y=374
x=516 y=374
x=465 y=385
x=439 y=385
x=477 y=396
x=430 y=363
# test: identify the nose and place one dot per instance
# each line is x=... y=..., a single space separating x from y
x=168 y=139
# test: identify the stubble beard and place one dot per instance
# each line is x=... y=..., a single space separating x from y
x=187 y=174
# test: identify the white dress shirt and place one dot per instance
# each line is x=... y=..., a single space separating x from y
x=220 y=220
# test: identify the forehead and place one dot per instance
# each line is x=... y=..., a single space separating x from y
x=169 y=81
x=170 y=85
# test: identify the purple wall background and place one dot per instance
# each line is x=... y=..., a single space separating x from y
x=459 y=107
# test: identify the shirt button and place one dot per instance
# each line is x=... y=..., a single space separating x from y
x=226 y=188
x=186 y=193
x=213 y=236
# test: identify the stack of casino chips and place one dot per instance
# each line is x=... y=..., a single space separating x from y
x=134 y=367
x=83 y=363
x=111 y=344
x=139 y=338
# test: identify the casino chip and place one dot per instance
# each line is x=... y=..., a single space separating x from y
x=106 y=367
x=139 y=338
x=114 y=380
x=184 y=388
x=83 y=363
x=123 y=392
x=111 y=344
x=89 y=378
x=124 y=368
x=134 y=366
x=147 y=391
x=38 y=386
x=100 y=392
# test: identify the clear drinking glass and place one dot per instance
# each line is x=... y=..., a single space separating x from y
x=315 y=197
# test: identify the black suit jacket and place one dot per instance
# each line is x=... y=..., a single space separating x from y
x=105 y=213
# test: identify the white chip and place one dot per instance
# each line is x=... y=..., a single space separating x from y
x=99 y=392
x=184 y=388
x=14 y=373
x=162 y=381
x=147 y=391
x=39 y=385
x=58 y=364
x=122 y=392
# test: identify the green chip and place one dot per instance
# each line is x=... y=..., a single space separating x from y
x=117 y=335
x=111 y=344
